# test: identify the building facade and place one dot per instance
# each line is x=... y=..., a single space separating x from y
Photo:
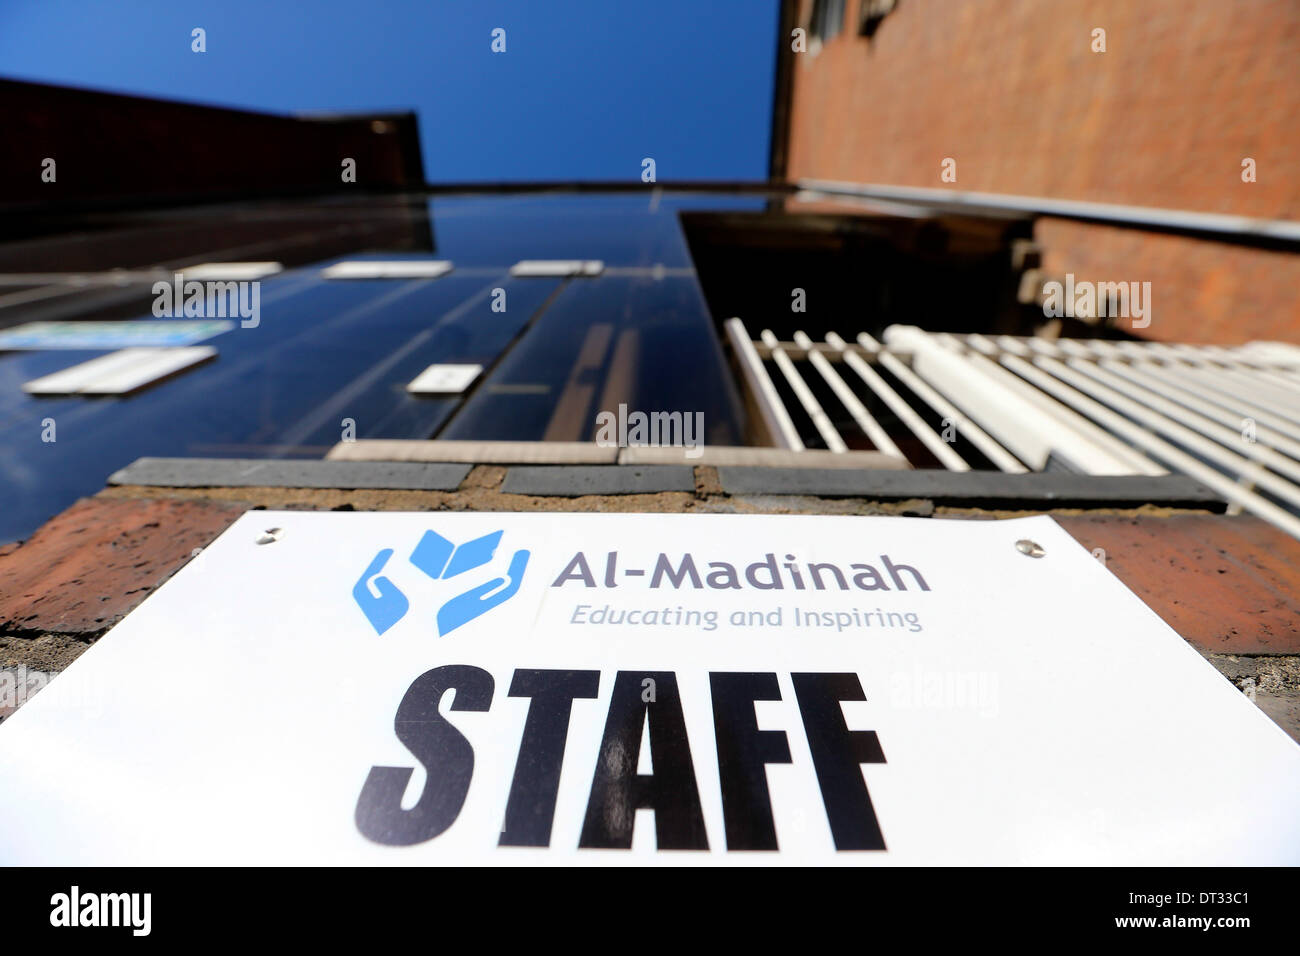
x=1181 y=107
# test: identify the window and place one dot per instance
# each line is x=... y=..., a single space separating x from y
x=871 y=13
x=827 y=19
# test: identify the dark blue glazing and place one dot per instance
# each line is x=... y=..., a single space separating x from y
x=638 y=341
x=329 y=350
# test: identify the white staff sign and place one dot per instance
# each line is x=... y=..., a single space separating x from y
x=593 y=689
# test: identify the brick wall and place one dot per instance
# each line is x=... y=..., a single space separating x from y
x=1012 y=91
x=1201 y=292
x=1230 y=585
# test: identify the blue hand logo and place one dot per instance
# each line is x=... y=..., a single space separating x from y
x=387 y=607
x=384 y=605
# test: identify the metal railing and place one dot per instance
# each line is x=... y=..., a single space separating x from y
x=1227 y=417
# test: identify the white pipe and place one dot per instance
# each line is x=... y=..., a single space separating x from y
x=950 y=412
x=1137 y=462
x=1024 y=419
x=906 y=414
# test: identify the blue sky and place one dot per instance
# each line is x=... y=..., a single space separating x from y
x=585 y=89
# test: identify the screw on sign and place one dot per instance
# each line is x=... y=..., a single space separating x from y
x=1031 y=548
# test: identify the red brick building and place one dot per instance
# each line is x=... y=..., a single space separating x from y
x=1029 y=99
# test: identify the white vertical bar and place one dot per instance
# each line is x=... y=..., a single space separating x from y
x=1222 y=381
x=1283 y=397
x=1070 y=347
x=806 y=398
x=1147 y=375
x=1243 y=370
x=1228 y=437
x=1284 y=382
x=775 y=417
x=1240 y=408
x=1250 y=471
x=906 y=414
x=1176 y=457
x=1009 y=343
x=879 y=437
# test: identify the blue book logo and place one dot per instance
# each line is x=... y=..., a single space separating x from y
x=384 y=605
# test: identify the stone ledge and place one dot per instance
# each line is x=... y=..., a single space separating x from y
x=976 y=489
x=589 y=453
x=475 y=452
x=288 y=473
x=576 y=480
x=763 y=458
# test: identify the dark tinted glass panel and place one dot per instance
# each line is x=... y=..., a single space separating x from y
x=326 y=350
x=323 y=351
x=639 y=341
